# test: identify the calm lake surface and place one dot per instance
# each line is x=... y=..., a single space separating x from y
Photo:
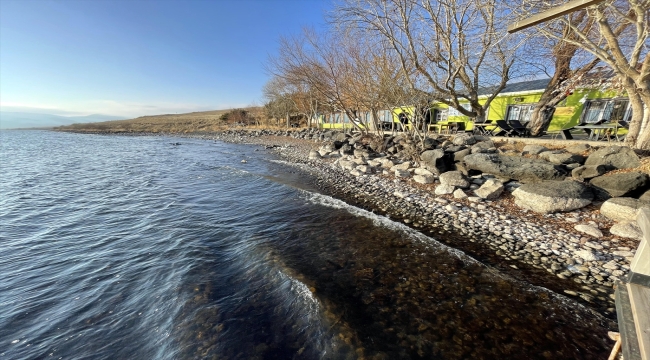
x=135 y=248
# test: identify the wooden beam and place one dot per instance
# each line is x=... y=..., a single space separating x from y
x=640 y=303
x=551 y=14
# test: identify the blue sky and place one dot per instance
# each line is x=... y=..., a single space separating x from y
x=139 y=57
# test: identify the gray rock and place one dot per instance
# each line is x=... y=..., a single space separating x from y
x=619 y=185
x=432 y=160
x=338 y=136
x=347 y=165
x=490 y=190
x=482 y=146
x=422 y=171
x=459 y=194
x=586 y=255
x=363 y=168
x=588 y=171
x=616 y=157
x=357 y=172
x=386 y=163
x=313 y=155
x=402 y=173
x=444 y=189
x=460 y=155
x=455 y=148
x=514 y=167
x=360 y=153
x=589 y=230
x=346 y=149
x=533 y=149
x=545 y=154
x=565 y=158
x=464 y=139
x=553 y=196
x=424 y=179
x=403 y=166
x=622 y=209
x=578 y=148
x=627 y=229
x=429 y=143
x=454 y=178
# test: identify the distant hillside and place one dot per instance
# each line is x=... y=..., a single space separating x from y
x=203 y=121
x=14 y=119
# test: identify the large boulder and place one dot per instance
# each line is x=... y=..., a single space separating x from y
x=454 y=178
x=619 y=185
x=627 y=229
x=483 y=146
x=464 y=139
x=514 y=167
x=553 y=196
x=423 y=179
x=490 y=190
x=460 y=155
x=615 y=157
x=433 y=160
x=622 y=209
x=444 y=189
x=565 y=158
x=422 y=171
x=403 y=166
x=339 y=136
x=533 y=149
x=588 y=171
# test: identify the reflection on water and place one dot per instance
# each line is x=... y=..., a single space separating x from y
x=133 y=248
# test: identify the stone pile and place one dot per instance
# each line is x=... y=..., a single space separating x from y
x=455 y=184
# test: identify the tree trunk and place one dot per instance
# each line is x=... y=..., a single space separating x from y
x=643 y=142
x=637 y=113
x=287 y=121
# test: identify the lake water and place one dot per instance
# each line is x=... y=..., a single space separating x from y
x=137 y=248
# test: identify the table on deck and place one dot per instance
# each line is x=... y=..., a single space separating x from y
x=442 y=126
x=482 y=128
x=596 y=132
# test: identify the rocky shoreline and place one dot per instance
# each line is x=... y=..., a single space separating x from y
x=574 y=246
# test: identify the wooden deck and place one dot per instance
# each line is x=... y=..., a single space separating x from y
x=633 y=299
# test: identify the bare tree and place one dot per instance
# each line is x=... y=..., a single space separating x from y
x=455 y=45
x=619 y=39
x=568 y=62
x=318 y=61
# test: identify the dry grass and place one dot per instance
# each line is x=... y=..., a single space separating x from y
x=204 y=121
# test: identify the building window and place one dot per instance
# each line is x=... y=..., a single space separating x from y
x=520 y=112
x=602 y=110
x=440 y=115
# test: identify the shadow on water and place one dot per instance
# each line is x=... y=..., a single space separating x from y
x=371 y=288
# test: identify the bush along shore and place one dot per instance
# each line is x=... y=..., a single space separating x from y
x=533 y=210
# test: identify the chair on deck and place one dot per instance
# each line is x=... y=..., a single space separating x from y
x=519 y=128
x=565 y=133
x=504 y=129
